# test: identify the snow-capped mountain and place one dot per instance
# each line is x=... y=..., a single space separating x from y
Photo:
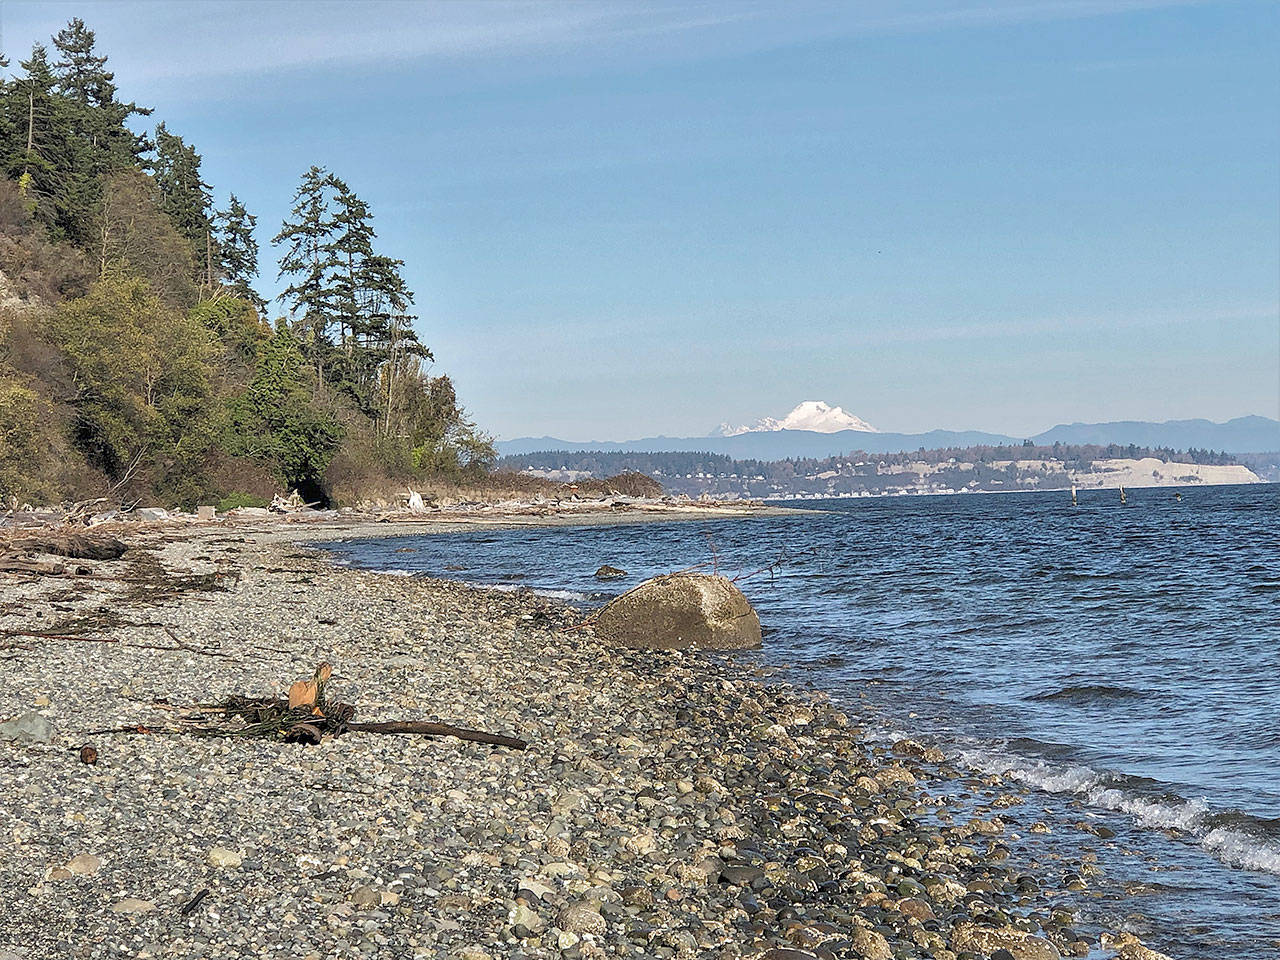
x=812 y=415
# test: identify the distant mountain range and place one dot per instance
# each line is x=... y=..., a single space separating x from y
x=1251 y=434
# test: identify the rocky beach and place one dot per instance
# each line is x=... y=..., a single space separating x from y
x=669 y=804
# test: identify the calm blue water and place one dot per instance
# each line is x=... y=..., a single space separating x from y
x=1125 y=659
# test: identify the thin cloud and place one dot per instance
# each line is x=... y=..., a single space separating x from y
x=199 y=41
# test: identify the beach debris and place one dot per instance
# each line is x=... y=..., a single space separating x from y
x=76 y=546
x=89 y=754
x=307 y=716
x=678 y=611
x=607 y=572
x=293 y=503
x=29 y=554
x=189 y=907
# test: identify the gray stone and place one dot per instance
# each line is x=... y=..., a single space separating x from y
x=739 y=874
x=132 y=905
x=27 y=727
x=678 y=611
x=581 y=918
x=224 y=859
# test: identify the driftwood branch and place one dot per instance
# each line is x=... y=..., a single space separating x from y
x=431 y=729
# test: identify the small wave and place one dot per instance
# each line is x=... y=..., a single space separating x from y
x=1248 y=847
x=575 y=596
x=398 y=571
x=1088 y=693
x=1242 y=849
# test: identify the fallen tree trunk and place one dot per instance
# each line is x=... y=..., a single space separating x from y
x=77 y=546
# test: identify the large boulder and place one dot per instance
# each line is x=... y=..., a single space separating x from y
x=678 y=611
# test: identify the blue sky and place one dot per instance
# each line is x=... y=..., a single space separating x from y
x=628 y=219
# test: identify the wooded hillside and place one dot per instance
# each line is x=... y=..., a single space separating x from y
x=136 y=354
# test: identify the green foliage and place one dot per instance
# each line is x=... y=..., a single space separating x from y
x=142 y=343
x=235 y=324
x=184 y=196
x=37 y=271
x=141 y=374
x=239 y=499
x=348 y=303
x=276 y=420
x=65 y=129
x=133 y=237
x=23 y=444
x=237 y=251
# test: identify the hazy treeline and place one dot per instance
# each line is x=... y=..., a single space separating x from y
x=1074 y=457
x=136 y=354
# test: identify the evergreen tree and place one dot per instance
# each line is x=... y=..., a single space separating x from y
x=237 y=250
x=350 y=247
x=185 y=197
x=77 y=131
x=276 y=421
x=312 y=297
x=41 y=155
x=83 y=77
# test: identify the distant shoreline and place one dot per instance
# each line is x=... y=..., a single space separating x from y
x=1060 y=491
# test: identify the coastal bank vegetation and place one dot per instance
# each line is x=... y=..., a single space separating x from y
x=137 y=356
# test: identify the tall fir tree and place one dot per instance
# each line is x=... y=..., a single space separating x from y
x=237 y=250
x=350 y=246
x=185 y=197
x=312 y=298
x=95 y=124
x=41 y=155
x=83 y=77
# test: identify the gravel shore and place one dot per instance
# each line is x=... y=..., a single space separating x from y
x=669 y=804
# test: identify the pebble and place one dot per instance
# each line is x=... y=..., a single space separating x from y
x=224 y=859
x=132 y=905
x=84 y=865
x=671 y=804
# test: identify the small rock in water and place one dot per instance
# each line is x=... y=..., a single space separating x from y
x=607 y=572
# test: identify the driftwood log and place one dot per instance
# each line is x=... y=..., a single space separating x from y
x=307 y=716
x=76 y=546
x=29 y=554
x=430 y=729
